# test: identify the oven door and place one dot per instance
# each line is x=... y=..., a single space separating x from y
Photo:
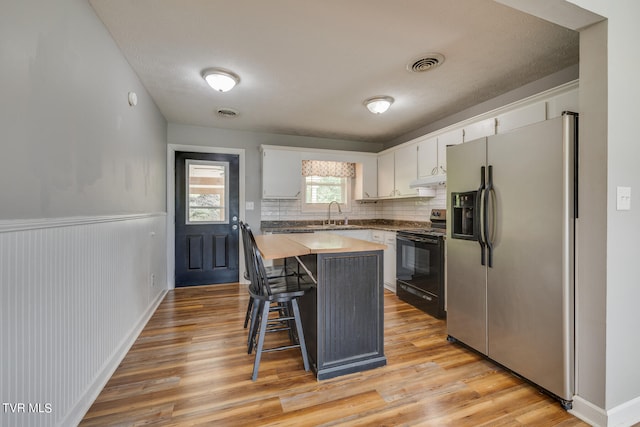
x=420 y=262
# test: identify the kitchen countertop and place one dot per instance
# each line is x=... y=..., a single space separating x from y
x=283 y=246
x=334 y=243
x=311 y=226
x=277 y=246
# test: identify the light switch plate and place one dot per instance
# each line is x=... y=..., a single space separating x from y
x=248 y=206
x=623 y=198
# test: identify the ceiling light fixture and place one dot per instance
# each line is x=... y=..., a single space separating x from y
x=220 y=80
x=379 y=104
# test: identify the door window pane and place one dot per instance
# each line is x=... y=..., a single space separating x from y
x=207 y=192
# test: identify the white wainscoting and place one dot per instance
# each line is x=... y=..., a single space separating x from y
x=74 y=295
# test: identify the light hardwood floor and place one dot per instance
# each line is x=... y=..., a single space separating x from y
x=190 y=367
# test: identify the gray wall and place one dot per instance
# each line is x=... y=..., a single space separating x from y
x=622 y=317
x=591 y=236
x=623 y=227
x=251 y=141
x=71 y=145
x=74 y=292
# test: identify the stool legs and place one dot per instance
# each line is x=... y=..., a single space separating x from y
x=260 y=345
x=248 y=315
x=303 y=346
x=257 y=307
x=261 y=311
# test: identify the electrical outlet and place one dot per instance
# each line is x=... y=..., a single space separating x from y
x=152 y=280
x=623 y=199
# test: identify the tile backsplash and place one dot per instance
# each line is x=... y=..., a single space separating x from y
x=414 y=209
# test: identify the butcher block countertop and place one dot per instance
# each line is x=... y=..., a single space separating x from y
x=273 y=246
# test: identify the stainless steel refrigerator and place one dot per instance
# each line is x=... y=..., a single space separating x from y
x=510 y=250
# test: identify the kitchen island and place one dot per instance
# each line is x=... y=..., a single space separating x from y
x=343 y=312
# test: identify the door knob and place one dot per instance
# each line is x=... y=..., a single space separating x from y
x=234 y=227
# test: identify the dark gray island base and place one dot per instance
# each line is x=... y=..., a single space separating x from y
x=343 y=315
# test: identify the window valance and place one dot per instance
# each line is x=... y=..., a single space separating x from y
x=327 y=168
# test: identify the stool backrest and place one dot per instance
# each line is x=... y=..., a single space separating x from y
x=245 y=246
x=253 y=259
x=249 y=257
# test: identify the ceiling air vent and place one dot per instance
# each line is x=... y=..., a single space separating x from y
x=425 y=62
x=227 y=112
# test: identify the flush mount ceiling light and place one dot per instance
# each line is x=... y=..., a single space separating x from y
x=379 y=104
x=220 y=80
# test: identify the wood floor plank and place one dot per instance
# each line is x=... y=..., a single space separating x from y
x=189 y=366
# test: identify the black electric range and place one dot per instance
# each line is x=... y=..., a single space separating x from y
x=420 y=265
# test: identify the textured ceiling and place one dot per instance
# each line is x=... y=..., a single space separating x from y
x=307 y=66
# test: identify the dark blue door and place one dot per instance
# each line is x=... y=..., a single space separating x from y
x=206 y=221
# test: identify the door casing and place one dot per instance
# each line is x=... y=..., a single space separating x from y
x=171 y=191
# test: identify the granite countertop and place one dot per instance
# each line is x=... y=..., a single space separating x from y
x=311 y=226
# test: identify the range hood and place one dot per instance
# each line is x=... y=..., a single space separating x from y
x=429 y=181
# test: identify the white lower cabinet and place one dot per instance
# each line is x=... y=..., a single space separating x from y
x=387 y=238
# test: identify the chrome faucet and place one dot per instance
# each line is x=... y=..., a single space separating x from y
x=329 y=212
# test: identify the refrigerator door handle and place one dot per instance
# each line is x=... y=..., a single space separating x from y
x=488 y=194
x=480 y=220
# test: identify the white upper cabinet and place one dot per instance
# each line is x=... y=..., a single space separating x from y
x=396 y=170
x=428 y=157
x=366 y=178
x=432 y=153
x=386 y=175
x=281 y=174
x=453 y=137
x=406 y=169
x=480 y=129
x=530 y=114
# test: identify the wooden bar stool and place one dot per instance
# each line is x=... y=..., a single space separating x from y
x=272 y=273
x=267 y=299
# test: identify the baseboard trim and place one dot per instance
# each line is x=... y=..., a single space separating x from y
x=75 y=416
x=624 y=415
x=588 y=412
